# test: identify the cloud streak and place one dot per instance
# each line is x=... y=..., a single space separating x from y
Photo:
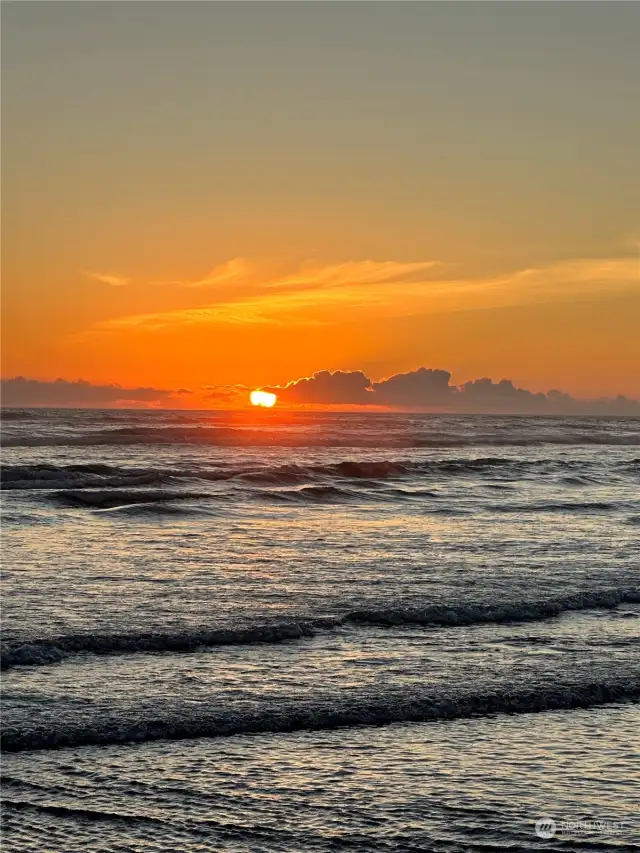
x=368 y=289
x=236 y=270
x=109 y=278
x=307 y=275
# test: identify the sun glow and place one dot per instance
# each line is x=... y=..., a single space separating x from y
x=262 y=398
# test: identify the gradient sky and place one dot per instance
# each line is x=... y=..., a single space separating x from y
x=208 y=193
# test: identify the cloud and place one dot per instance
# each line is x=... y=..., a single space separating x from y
x=307 y=274
x=352 y=273
x=22 y=392
x=235 y=270
x=236 y=313
x=109 y=278
x=352 y=387
x=485 y=394
x=367 y=289
x=278 y=298
x=423 y=386
x=425 y=389
x=229 y=395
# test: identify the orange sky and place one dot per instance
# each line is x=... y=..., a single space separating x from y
x=206 y=199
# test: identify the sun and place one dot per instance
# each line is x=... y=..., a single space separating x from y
x=262 y=398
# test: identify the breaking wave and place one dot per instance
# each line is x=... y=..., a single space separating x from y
x=87 y=476
x=110 y=499
x=80 y=476
x=40 y=652
x=321 y=713
x=311 y=494
x=478 y=614
x=48 y=650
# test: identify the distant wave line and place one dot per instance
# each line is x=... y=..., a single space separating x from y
x=238 y=437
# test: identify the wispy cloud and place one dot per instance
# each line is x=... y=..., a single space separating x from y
x=353 y=273
x=284 y=297
x=320 y=294
x=237 y=270
x=244 y=271
x=248 y=311
x=108 y=278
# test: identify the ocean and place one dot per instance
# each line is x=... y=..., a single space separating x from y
x=301 y=631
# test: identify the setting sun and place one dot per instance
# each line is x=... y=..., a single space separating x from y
x=262 y=398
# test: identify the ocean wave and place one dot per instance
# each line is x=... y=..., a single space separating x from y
x=222 y=436
x=320 y=713
x=363 y=492
x=48 y=650
x=257 y=836
x=16 y=415
x=311 y=494
x=284 y=475
x=87 y=476
x=578 y=480
x=348 y=469
x=478 y=614
x=560 y=506
x=111 y=499
x=365 y=472
x=408 y=494
x=633 y=464
x=540 y=440
x=161 y=500
x=74 y=812
x=40 y=652
x=215 y=436
x=157 y=510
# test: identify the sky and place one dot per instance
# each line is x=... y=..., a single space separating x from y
x=203 y=195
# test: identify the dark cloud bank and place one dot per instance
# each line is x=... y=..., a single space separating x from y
x=416 y=390
x=23 y=392
x=431 y=389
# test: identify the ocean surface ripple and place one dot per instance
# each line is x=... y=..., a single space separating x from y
x=318 y=631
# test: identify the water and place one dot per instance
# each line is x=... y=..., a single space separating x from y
x=287 y=632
